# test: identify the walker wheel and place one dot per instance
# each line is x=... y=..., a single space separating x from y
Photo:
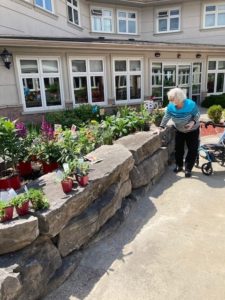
x=207 y=169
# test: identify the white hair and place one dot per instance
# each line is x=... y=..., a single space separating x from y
x=177 y=94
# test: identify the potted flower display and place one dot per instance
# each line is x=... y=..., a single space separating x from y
x=49 y=153
x=82 y=171
x=6 y=211
x=21 y=203
x=9 y=153
x=24 y=154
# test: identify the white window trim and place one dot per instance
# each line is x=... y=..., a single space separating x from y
x=176 y=63
x=44 y=7
x=128 y=73
x=92 y=18
x=88 y=75
x=168 y=18
x=73 y=7
x=127 y=19
x=216 y=71
x=40 y=75
x=216 y=16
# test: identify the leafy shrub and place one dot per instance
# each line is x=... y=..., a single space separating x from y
x=215 y=113
x=214 y=100
x=78 y=116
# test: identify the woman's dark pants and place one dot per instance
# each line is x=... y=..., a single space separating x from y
x=191 y=139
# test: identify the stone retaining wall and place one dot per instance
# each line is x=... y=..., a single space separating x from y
x=40 y=251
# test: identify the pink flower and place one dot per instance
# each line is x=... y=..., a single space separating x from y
x=21 y=129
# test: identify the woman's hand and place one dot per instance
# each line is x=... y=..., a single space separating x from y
x=189 y=125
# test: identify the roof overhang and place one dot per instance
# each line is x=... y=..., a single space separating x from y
x=105 y=44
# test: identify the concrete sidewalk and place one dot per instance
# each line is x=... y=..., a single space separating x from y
x=171 y=246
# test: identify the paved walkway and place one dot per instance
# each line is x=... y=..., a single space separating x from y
x=171 y=246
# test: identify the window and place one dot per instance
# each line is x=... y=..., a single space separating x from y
x=101 y=20
x=216 y=76
x=168 y=20
x=128 y=80
x=40 y=83
x=127 y=22
x=73 y=12
x=165 y=76
x=45 y=4
x=88 y=80
x=214 y=16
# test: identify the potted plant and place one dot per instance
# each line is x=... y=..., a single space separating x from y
x=49 y=152
x=24 y=155
x=6 y=211
x=21 y=203
x=37 y=198
x=82 y=171
x=66 y=177
x=9 y=153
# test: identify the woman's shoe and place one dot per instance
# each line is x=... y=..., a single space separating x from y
x=188 y=173
x=177 y=169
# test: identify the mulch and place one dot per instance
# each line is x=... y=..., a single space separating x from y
x=210 y=130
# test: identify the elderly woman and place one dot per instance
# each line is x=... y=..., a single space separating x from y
x=185 y=115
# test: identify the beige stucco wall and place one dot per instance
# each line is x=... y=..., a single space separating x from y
x=21 y=18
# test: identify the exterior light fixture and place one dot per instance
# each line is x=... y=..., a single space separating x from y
x=198 y=55
x=6 y=58
x=157 y=54
x=178 y=55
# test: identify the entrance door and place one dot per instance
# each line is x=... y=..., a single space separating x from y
x=166 y=76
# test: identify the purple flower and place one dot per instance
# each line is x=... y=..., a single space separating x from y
x=21 y=130
x=47 y=130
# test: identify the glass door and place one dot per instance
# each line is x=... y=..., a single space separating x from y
x=166 y=76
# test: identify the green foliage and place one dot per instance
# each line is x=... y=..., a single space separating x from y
x=3 y=205
x=37 y=198
x=126 y=121
x=25 y=146
x=157 y=116
x=19 y=200
x=47 y=151
x=214 y=100
x=78 y=116
x=82 y=167
x=9 y=142
x=215 y=113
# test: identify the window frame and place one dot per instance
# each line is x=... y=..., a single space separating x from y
x=44 y=6
x=215 y=13
x=88 y=75
x=127 y=20
x=40 y=75
x=102 y=18
x=177 y=65
x=128 y=73
x=73 y=7
x=168 y=18
x=216 y=72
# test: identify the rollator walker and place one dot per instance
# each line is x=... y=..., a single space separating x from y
x=214 y=152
